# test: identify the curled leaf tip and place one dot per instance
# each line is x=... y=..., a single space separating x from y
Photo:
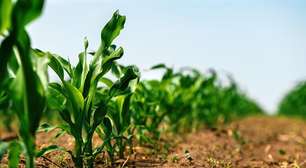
x=85 y=42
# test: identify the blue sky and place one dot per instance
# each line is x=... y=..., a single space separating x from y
x=262 y=43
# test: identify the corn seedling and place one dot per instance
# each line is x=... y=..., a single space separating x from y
x=86 y=102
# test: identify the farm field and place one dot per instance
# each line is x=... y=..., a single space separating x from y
x=99 y=111
x=269 y=142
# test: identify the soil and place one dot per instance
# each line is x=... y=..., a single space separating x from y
x=263 y=142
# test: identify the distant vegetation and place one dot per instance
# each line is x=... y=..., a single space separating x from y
x=294 y=102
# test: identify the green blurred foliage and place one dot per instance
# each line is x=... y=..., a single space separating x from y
x=294 y=102
x=185 y=101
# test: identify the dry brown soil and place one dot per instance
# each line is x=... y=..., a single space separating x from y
x=263 y=142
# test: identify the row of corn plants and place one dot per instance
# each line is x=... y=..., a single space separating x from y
x=186 y=100
x=98 y=95
x=294 y=102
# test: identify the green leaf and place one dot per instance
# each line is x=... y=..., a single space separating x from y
x=56 y=87
x=55 y=99
x=116 y=70
x=85 y=43
x=81 y=71
x=57 y=67
x=107 y=129
x=66 y=116
x=6 y=51
x=3 y=148
x=49 y=149
x=159 y=66
x=45 y=127
x=100 y=113
x=64 y=128
x=14 y=154
x=26 y=11
x=34 y=101
x=41 y=67
x=108 y=61
x=66 y=65
x=3 y=98
x=88 y=81
x=106 y=81
x=112 y=29
x=125 y=111
x=5 y=15
x=17 y=94
x=57 y=63
x=114 y=115
x=121 y=86
x=75 y=97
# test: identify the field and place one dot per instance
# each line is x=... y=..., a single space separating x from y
x=270 y=142
x=101 y=113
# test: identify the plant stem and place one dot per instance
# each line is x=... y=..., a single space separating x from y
x=78 y=161
x=29 y=161
x=88 y=150
x=30 y=151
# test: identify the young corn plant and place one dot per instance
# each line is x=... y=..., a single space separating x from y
x=188 y=86
x=117 y=124
x=145 y=112
x=150 y=103
x=83 y=101
x=23 y=74
x=206 y=108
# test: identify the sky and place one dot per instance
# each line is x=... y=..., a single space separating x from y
x=262 y=43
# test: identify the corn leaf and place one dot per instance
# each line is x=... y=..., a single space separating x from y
x=49 y=149
x=112 y=29
x=15 y=150
x=108 y=61
x=121 y=86
x=107 y=81
x=55 y=99
x=75 y=97
x=26 y=11
x=3 y=148
x=5 y=15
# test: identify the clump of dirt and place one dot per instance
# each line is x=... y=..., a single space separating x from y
x=264 y=142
